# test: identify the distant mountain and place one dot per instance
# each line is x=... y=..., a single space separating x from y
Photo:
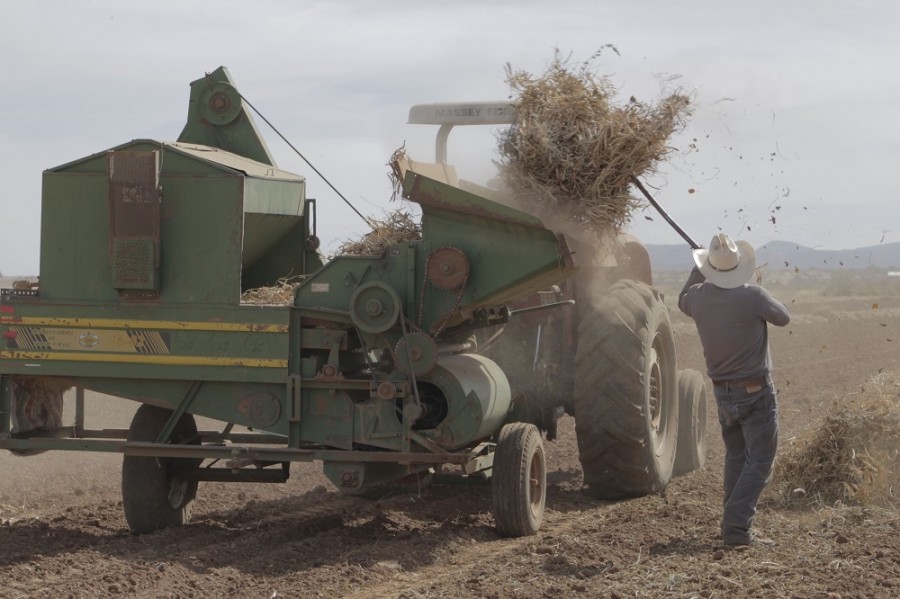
x=777 y=255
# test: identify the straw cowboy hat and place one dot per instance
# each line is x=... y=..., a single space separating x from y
x=726 y=264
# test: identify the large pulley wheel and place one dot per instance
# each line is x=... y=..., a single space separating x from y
x=625 y=392
x=220 y=104
x=155 y=492
x=691 y=451
x=375 y=307
x=519 y=480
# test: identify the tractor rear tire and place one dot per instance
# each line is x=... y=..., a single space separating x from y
x=626 y=395
x=154 y=494
x=691 y=452
x=519 y=480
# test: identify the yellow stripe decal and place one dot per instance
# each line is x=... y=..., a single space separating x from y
x=169 y=325
x=168 y=360
x=140 y=341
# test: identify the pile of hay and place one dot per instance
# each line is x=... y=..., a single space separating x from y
x=397 y=227
x=280 y=294
x=571 y=151
x=852 y=457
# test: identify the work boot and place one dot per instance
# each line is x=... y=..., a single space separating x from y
x=754 y=540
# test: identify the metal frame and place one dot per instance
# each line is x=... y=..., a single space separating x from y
x=239 y=448
x=448 y=115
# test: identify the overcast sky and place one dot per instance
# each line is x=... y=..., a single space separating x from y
x=796 y=113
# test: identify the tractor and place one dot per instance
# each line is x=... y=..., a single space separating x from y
x=597 y=346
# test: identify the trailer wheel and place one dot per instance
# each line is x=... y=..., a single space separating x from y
x=519 y=480
x=691 y=451
x=626 y=398
x=154 y=494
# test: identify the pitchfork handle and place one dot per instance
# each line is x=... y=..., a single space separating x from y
x=694 y=245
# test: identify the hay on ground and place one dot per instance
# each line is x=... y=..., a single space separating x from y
x=851 y=458
x=572 y=151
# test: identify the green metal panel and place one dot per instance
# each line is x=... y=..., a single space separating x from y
x=149 y=342
x=270 y=196
x=217 y=118
x=246 y=403
x=510 y=253
x=327 y=418
x=332 y=286
x=507 y=264
x=261 y=232
x=353 y=476
x=201 y=234
x=75 y=234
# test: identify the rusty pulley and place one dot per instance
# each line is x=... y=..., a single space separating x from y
x=447 y=268
x=416 y=353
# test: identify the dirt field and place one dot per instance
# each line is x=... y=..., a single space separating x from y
x=62 y=533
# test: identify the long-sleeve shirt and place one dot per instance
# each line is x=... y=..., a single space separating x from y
x=732 y=324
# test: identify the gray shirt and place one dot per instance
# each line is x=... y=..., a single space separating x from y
x=732 y=326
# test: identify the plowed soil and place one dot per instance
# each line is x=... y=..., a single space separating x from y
x=62 y=532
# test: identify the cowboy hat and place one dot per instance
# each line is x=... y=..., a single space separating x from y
x=726 y=264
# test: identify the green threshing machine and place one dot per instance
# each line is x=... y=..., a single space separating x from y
x=373 y=368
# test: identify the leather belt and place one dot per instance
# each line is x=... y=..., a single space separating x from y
x=760 y=381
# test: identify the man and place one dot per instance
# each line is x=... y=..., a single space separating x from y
x=731 y=317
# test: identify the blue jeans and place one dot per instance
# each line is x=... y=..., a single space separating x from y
x=750 y=431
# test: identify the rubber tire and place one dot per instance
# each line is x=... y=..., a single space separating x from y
x=691 y=452
x=519 y=480
x=147 y=482
x=625 y=360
